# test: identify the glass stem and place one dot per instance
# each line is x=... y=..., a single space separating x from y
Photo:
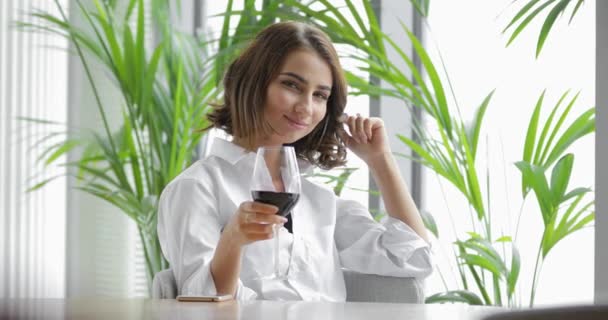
x=277 y=265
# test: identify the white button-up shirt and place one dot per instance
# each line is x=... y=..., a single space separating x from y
x=329 y=234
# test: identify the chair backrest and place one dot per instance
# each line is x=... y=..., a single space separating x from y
x=359 y=288
x=164 y=285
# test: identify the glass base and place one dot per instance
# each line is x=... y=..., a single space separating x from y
x=272 y=277
x=279 y=277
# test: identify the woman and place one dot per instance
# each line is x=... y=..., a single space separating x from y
x=287 y=88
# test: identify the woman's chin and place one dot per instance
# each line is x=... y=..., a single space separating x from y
x=282 y=140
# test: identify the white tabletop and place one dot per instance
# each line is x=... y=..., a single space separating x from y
x=105 y=308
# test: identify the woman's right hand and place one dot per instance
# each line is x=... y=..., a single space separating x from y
x=253 y=221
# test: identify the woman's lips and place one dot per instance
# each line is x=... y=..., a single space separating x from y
x=296 y=124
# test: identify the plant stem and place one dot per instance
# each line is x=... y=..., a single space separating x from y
x=443 y=253
x=482 y=289
x=445 y=285
x=445 y=200
x=460 y=269
x=521 y=210
x=534 y=279
x=150 y=270
x=504 y=170
x=497 y=295
x=488 y=216
x=463 y=277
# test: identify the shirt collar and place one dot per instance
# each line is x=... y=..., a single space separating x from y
x=233 y=153
x=227 y=150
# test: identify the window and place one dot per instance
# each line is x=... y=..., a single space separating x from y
x=469 y=37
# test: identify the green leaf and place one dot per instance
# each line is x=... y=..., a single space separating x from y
x=542 y=156
x=521 y=13
x=64 y=148
x=504 y=239
x=578 y=5
x=429 y=222
x=433 y=163
x=474 y=129
x=477 y=260
x=527 y=20
x=421 y=6
x=472 y=179
x=43 y=183
x=485 y=250
x=560 y=176
x=463 y=296
x=531 y=139
x=541 y=147
x=582 y=126
x=548 y=24
x=442 y=106
x=574 y=193
x=567 y=224
x=534 y=176
x=474 y=235
x=374 y=26
x=514 y=272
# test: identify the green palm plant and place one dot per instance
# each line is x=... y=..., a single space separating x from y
x=562 y=212
x=165 y=94
x=451 y=151
x=527 y=13
x=531 y=9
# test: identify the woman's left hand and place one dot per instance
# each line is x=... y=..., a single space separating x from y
x=367 y=138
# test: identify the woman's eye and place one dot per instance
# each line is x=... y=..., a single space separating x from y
x=290 y=84
x=321 y=96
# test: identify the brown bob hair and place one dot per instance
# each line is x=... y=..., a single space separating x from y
x=246 y=84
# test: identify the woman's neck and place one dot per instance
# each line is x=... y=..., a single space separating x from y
x=273 y=161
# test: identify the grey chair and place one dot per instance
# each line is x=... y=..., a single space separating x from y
x=359 y=288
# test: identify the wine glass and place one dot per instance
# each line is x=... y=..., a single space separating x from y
x=276 y=181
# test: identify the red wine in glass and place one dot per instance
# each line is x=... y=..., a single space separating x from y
x=285 y=201
x=276 y=180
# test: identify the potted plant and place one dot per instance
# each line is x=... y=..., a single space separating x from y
x=165 y=95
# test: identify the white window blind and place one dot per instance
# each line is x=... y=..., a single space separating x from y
x=33 y=71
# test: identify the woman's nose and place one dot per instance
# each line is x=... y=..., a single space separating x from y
x=304 y=104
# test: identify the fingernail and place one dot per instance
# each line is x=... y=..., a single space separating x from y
x=343 y=117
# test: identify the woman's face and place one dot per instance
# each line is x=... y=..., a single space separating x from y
x=296 y=100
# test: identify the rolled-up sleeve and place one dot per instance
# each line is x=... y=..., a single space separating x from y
x=189 y=228
x=391 y=249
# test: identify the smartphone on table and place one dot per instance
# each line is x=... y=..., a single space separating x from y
x=194 y=298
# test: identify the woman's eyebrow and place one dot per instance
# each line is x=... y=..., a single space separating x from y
x=301 y=79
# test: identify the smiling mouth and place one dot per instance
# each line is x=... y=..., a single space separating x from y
x=296 y=124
